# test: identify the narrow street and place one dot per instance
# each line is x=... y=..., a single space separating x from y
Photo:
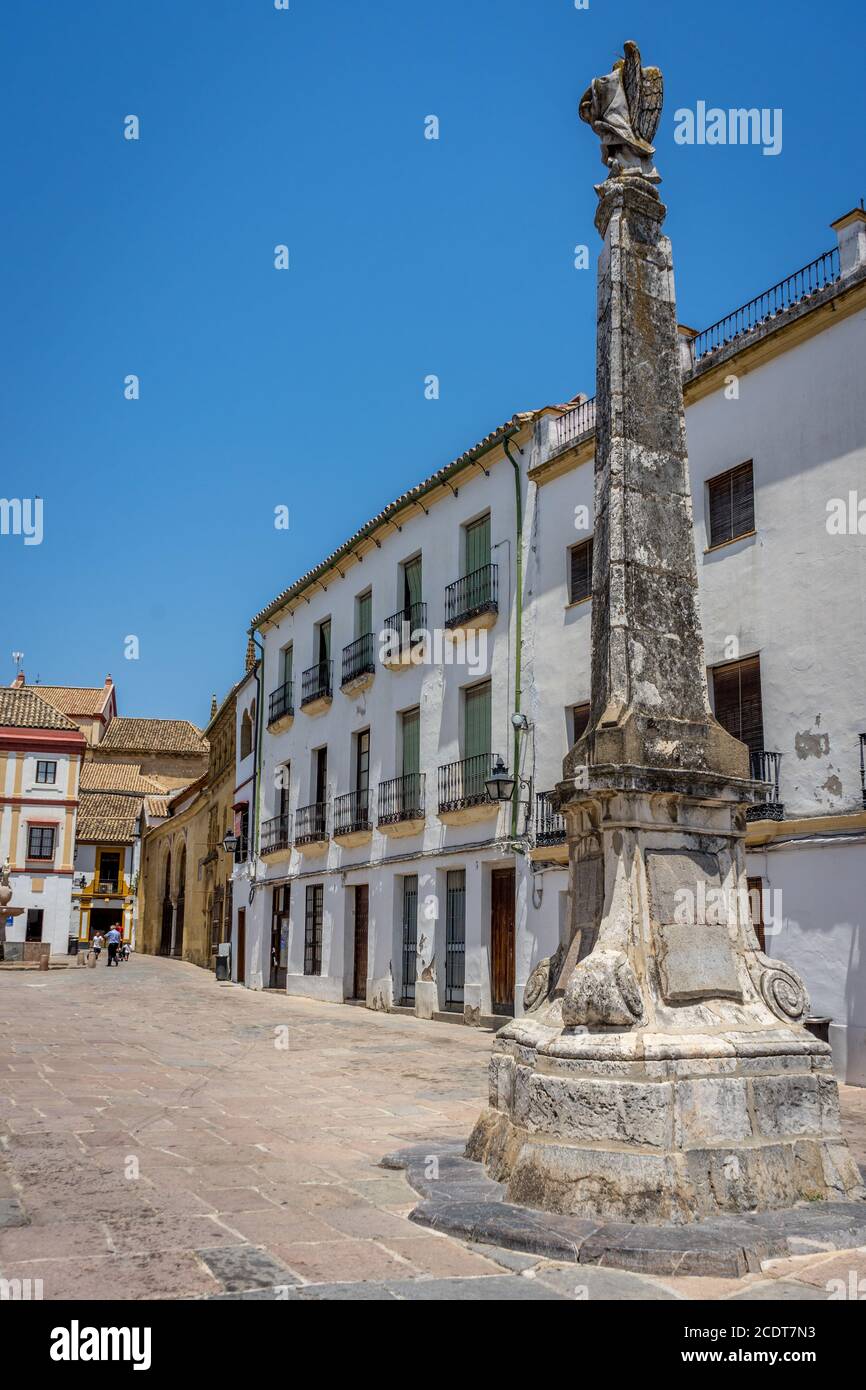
x=165 y=1137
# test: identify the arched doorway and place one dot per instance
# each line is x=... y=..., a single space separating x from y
x=181 y=894
x=165 y=931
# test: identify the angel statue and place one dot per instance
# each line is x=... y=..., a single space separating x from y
x=623 y=109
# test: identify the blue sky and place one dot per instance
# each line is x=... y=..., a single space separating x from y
x=407 y=257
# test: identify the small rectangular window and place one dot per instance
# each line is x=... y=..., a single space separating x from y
x=40 y=842
x=580 y=572
x=46 y=772
x=731 y=504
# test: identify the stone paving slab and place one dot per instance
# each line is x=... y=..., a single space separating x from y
x=155 y=1142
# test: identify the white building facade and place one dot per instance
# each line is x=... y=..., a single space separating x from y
x=454 y=630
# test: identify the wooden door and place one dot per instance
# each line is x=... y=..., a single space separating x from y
x=502 y=940
x=242 y=946
x=359 y=987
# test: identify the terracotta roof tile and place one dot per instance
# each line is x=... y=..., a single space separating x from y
x=107 y=818
x=22 y=709
x=117 y=777
x=74 y=699
x=154 y=736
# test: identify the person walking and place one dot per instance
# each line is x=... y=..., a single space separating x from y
x=97 y=944
x=113 y=943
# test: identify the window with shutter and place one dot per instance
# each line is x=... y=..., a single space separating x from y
x=579 y=721
x=731 y=504
x=737 y=701
x=412 y=582
x=476 y=721
x=580 y=572
x=411 y=726
x=364 y=614
x=477 y=553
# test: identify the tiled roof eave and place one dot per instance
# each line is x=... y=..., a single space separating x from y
x=490 y=441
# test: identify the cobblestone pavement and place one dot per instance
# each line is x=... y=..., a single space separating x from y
x=162 y=1136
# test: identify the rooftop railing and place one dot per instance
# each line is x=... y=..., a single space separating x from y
x=793 y=290
x=569 y=427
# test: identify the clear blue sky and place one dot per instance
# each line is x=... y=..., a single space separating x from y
x=408 y=257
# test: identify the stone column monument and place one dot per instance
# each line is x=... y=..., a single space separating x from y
x=662 y=1071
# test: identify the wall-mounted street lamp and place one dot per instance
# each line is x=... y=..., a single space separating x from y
x=230 y=842
x=500 y=783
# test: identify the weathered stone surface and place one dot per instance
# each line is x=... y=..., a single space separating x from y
x=711 y=1106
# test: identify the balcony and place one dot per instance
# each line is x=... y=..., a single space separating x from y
x=281 y=707
x=311 y=827
x=549 y=823
x=352 y=823
x=317 y=687
x=276 y=841
x=462 y=793
x=403 y=637
x=401 y=804
x=359 y=664
x=765 y=768
x=473 y=601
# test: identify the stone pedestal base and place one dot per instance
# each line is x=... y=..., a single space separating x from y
x=662 y=1072
x=665 y=1139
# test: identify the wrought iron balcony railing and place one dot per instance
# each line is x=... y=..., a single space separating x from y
x=405 y=628
x=549 y=824
x=311 y=823
x=793 y=290
x=317 y=682
x=765 y=768
x=461 y=784
x=359 y=658
x=475 y=593
x=574 y=423
x=281 y=702
x=401 y=798
x=276 y=833
x=352 y=813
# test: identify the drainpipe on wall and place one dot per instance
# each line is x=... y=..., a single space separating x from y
x=257 y=775
x=518 y=623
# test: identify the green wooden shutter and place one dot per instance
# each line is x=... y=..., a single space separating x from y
x=411 y=742
x=477 y=545
x=476 y=721
x=364 y=615
x=412 y=581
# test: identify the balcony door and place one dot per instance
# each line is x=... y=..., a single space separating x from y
x=502 y=940
x=362 y=905
x=476 y=739
x=411 y=585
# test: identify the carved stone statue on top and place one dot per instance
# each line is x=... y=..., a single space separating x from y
x=623 y=109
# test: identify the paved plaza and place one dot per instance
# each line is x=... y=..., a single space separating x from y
x=163 y=1136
